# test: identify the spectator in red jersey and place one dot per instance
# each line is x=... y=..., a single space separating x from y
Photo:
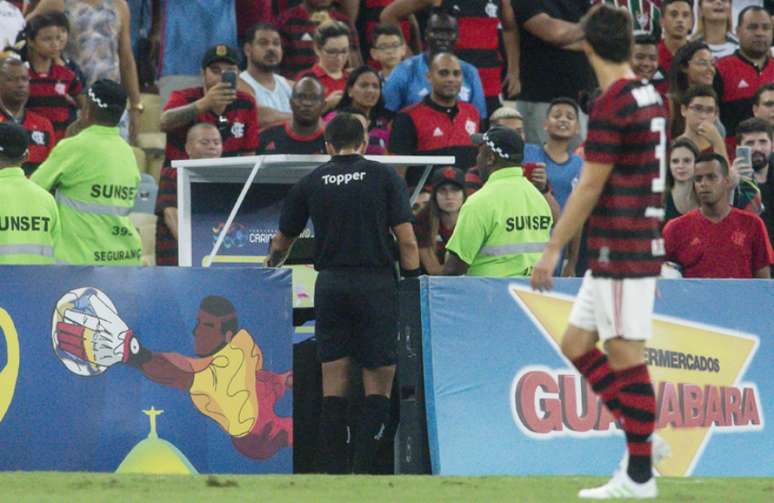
x=679 y=196
x=480 y=24
x=297 y=27
x=363 y=95
x=742 y=73
x=202 y=142
x=216 y=102
x=435 y=222
x=676 y=26
x=55 y=91
x=331 y=45
x=699 y=110
x=303 y=134
x=693 y=65
x=14 y=91
x=645 y=59
x=388 y=48
x=716 y=240
x=763 y=106
x=757 y=134
x=440 y=124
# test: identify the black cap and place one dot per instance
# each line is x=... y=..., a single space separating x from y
x=220 y=52
x=107 y=94
x=448 y=175
x=504 y=141
x=14 y=140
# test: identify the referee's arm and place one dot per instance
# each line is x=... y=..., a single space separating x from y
x=295 y=214
x=407 y=245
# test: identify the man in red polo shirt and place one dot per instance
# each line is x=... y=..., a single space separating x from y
x=676 y=23
x=14 y=92
x=716 y=240
x=440 y=124
x=741 y=74
x=217 y=102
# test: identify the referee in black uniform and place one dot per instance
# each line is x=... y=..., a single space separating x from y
x=354 y=204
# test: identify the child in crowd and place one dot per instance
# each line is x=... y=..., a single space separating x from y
x=388 y=48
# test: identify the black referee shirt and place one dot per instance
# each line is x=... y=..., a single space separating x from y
x=353 y=204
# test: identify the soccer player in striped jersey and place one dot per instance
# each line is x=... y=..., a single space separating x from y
x=620 y=188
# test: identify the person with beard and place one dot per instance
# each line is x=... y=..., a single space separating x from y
x=757 y=133
x=741 y=74
x=716 y=240
x=304 y=133
x=263 y=53
x=408 y=83
x=440 y=124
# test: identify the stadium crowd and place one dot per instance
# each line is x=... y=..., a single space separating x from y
x=109 y=90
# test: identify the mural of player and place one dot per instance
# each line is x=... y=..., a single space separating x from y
x=226 y=380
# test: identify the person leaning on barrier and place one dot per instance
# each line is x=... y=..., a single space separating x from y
x=29 y=220
x=503 y=227
x=95 y=177
x=354 y=204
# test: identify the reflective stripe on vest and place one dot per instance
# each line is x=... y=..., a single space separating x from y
x=96 y=209
x=41 y=250
x=512 y=249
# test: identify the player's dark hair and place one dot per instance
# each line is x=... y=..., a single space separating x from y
x=329 y=30
x=220 y=306
x=713 y=156
x=344 y=131
x=250 y=33
x=752 y=125
x=563 y=101
x=679 y=143
x=764 y=88
x=609 y=32
x=700 y=91
x=388 y=30
x=678 y=72
x=645 y=39
x=749 y=8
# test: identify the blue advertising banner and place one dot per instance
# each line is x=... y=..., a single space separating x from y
x=502 y=400
x=163 y=370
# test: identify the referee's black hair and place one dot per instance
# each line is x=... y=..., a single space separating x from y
x=713 y=156
x=345 y=130
x=609 y=32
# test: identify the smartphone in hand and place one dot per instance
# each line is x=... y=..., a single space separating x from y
x=230 y=78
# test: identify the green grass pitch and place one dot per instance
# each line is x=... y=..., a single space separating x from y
x=96 y=487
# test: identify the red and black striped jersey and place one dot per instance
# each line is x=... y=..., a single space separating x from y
x=281 y=139
x=736 y=82
x=238 y=125
x=41 y=138
x=479 y=39
x=52 y=95
x=296 y=28
x=627 y=128
x=166 y=244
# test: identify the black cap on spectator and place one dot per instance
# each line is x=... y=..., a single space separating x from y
x=220 y=52
x=13 y=140
x=505 y=142
x=448 y=175
x=107 y=94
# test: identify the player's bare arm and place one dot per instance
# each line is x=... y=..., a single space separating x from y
x=579 y=206
x=279 y=250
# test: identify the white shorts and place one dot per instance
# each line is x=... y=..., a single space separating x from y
x=615 y=307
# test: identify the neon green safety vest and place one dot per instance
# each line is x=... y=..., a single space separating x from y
x=95 y=178
x=29 y=220
x=503 y=228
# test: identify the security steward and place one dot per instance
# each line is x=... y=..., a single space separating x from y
x=95 y=177
x=503 y=228
x=29 y=220
x=354 y=205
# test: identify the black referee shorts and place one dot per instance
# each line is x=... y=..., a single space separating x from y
x=356 y=315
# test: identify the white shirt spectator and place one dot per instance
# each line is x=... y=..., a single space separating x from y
x=11 y=23
x=278 y=99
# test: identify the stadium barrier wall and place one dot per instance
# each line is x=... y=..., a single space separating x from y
x=500 y=398
x=54 y=419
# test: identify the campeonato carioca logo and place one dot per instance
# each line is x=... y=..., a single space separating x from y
x=696 y=371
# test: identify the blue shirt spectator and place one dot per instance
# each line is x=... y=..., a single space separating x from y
x=561 y=176
x=408 y=84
